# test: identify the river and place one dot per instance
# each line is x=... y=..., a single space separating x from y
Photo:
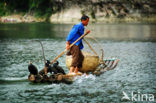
x=133 y=44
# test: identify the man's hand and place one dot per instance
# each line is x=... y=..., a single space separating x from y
x=88 y=31
x=68 y=45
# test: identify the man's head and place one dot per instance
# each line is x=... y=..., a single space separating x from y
x=85 y=20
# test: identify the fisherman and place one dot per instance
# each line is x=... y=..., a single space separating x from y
x=75 y=50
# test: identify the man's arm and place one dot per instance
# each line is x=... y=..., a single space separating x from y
x=68 y=45
x=72 y=33
x=71 y=36
x=81 y=31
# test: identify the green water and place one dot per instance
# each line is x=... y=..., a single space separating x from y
x=133 y=44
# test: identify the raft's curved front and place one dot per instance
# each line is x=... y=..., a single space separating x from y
x=89 y=64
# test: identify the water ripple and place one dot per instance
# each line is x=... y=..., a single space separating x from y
x=136 y=71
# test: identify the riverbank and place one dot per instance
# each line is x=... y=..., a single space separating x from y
x=99 y=11
x=109 y=13
x=19 y=18
x=61 y=18
x=74 y=17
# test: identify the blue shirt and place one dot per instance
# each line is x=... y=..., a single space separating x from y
x=75 y=33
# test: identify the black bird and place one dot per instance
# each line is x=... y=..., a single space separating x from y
x=53 y=69
x=58 y=68
x=32 y=69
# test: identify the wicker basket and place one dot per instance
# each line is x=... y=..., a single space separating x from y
x=89 y=64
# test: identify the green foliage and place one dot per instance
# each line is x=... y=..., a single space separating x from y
x=93 y=14
x=44 y=8
x=17 y=5
x=2 y=11
x=40 y=7
x=37 y=7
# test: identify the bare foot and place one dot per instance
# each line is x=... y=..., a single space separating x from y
x=72 y=73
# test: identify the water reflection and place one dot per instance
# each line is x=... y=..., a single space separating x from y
x=122 y=31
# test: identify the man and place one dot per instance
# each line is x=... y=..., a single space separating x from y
x=75 y=50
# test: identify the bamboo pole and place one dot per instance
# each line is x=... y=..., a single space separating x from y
x=90 y=46
x=54 y=60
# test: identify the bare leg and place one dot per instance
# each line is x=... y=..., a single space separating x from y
x=71 y=70
x=76 y=70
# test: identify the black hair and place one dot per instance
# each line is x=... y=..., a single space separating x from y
x=84 y=17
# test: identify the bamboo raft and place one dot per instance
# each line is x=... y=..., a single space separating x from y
x=91 y=64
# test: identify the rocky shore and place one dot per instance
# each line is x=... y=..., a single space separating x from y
x=107 y=11
x=63 y=18
x=103 y=11
x=18 y=18
x=73 y=15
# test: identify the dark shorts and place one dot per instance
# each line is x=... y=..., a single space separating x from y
x=77 y=56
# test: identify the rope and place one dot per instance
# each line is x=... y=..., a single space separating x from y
x=101 y=49
x=90 y=46
x=42 y=50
